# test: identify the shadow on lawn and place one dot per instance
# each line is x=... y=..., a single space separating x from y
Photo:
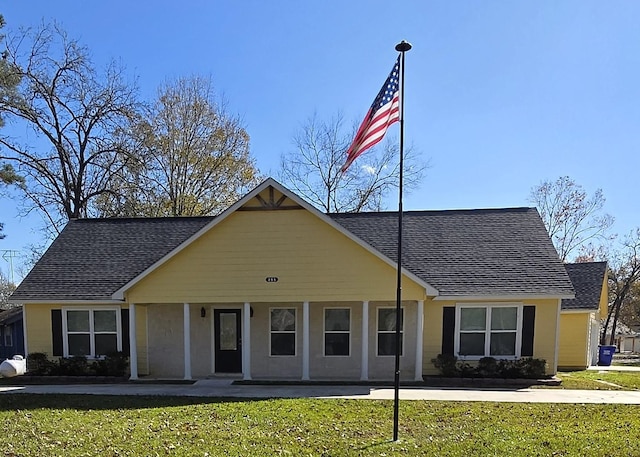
x=12 y=402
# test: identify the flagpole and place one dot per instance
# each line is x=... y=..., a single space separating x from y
x=401 y=47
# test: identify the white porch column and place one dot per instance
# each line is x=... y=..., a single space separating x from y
x=187 y=341
x=364 y=365
x=246 y=342
x=305 y=341
x=419 y=340
x=133 y=348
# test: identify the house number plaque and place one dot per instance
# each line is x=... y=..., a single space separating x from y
x=272 y=279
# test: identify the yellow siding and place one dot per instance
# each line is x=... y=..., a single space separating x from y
x=604 y=297
x=312 y=261
x=574 y=340
x=38 y=323
x=544 y=330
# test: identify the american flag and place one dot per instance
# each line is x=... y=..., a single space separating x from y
x=384 y=111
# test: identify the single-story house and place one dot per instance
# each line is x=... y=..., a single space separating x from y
x=272 y=288
x=11 y=333
x=626 y=340
x=580 y=317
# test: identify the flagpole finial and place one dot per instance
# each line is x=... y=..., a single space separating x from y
x=403 y=46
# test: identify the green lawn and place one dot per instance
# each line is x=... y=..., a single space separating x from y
x=48 y=425
x=623 y=380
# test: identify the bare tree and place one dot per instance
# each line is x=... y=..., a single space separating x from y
x=313 y=169
x=78 y=117
x=8 y=84
x=572 y=218
x=624 y=279
x=6 y=289
x=194 y=156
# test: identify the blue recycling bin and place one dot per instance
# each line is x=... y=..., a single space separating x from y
x=605 y=355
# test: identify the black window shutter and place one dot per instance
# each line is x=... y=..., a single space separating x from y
x=124 y=315
x=448 y=329
x=56 y=331
x=528 y=325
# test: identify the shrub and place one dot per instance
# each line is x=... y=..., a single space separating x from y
x=114 y=364
x=489 y=367
x=446 y=364
x=532 y=368
x=75 y=366
x=38 y=364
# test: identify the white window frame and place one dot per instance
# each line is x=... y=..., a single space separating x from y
x=378 y=332
x=7 y=331
x=92 y=333
x=325 y=331
x=487 y=330
x=295 y=331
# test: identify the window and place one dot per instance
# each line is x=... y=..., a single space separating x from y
x=8 y=336
x=387 y=331
x=337 y=328
x=283 y=331
x=489 y=331
x=92 y=333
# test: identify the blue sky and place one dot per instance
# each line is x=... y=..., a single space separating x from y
x=499 y=95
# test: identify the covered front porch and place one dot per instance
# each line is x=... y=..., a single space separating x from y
x=304 y=340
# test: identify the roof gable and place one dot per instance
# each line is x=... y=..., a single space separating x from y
x=270 y=195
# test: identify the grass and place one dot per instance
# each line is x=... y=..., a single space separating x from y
x=76 y=425
x=591 y=380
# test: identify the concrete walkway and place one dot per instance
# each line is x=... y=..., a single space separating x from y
x=614 y=368
x=224 y=389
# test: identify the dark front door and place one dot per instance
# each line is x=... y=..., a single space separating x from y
x=228 y=350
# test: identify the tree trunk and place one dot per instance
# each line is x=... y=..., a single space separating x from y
x=612 y=338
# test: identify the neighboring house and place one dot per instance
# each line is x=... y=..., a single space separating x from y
x=626 y=339
x=274 y=289
x=580 y=317
x=11 y=333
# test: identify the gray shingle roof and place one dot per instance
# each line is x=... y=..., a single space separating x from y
x=11 y=315
x=469 y=252
x=92 y=258
x=587 y=279
x=496 y=252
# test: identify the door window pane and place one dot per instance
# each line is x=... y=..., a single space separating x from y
x=228 y=332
